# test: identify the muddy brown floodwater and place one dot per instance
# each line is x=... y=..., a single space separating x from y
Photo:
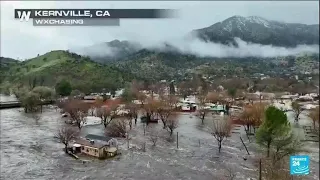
x=30 y=151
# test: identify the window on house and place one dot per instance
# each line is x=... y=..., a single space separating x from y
x=87 y=149
x=82 y=148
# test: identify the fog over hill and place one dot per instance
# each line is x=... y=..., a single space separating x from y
x=236 y=36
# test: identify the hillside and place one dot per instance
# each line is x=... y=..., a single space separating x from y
x=259 y=30
x=5 y=65
x=51 y=67
x=170 y=65
x=7 y=62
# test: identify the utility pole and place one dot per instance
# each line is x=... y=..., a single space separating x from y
x=177 y=140
x=128 y=141
x=260 y=170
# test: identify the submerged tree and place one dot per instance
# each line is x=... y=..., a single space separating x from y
x=118 y=128
x=202 y=110
x=65 y=135
x=297 y=109
x=106 y=115
x=132 y=111
x=252 y=116
x=30 y=101
x=150 y=109
x=77 y=110
x=274 y=127
x=314 y=116
x=165 y=109
x=172 y=123
x=154 y=136
x=221 y=130
x=45 y=93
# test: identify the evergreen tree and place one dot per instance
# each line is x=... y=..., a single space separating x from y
x=274 y=128
x=172 y=89
x=63 y=88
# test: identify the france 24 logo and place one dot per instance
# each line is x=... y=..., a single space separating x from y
x=299 y=165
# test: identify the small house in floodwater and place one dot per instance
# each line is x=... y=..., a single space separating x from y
x=97 y=146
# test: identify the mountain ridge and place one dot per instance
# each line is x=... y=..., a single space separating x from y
x=251 y=29
x=259 y=30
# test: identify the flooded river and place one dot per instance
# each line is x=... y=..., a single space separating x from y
x=30 y=151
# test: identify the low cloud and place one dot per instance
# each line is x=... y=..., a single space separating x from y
x=195 y=46
x=97 y=50
x=244 y=49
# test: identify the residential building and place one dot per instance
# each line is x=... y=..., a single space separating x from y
x=97 y=146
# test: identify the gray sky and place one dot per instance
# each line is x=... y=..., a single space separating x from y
x=22 y=40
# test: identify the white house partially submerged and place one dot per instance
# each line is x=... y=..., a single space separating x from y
x=91 y=120
x=187 y=104
x=97 y=146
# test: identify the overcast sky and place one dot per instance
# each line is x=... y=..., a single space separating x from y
x=22 y=40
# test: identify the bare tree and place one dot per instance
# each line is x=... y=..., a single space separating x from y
x=118 y=128
x=106 y=115
x=98 y=103
x=133 y=113
x=141 y=97
x=230 y=172
x=202 y=107
x=213 y=97
x=185 y=89
x=65 y=135
x=314 y=116
x=246 y=118
x=164 y=110
x=297 y=109
x=77 y=110
x=150 y=109
x=252 y=116
x=221 y=129
x=154 y=136
x=172 y=123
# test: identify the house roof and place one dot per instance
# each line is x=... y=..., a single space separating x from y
x=95 y=144
x=97 y=137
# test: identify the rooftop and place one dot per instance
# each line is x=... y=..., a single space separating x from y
x=95 y=144
x=97 y=137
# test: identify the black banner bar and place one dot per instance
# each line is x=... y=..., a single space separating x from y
x=93 y=13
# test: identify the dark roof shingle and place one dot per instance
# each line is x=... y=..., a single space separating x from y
x=97 y=137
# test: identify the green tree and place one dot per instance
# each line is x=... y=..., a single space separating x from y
x=172 y=89
x=63 y=88
x=30 y=101
x=127 y=95
x=45 y=93
x=275 y=127
x=77 y=92
x=232 y=93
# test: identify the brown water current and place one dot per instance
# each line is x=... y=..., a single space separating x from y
x=30 y=151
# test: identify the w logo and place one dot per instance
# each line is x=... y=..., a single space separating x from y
x=23 y=15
